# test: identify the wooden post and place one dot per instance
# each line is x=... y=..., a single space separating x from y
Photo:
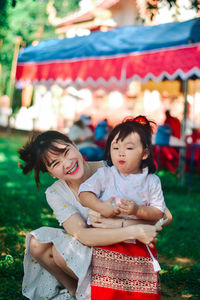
x=13 y=68
x=182 y=152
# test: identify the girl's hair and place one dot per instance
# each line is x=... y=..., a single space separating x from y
x=143 y=128
x=35 y=152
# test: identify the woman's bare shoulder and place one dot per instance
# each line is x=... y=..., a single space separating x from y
x=95 y=165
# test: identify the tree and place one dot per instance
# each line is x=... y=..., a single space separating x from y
x=29 y=20
x=152 y=5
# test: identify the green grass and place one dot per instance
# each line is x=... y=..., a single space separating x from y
x=179 y=243
x=24 y=208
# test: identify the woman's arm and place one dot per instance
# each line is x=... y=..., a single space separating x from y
x=76 y=226
x=100 y=222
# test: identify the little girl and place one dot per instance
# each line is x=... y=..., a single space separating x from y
x=136 y=191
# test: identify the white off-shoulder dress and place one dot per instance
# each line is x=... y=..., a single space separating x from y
x=38 y=284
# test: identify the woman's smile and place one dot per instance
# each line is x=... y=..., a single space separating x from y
x=74 y=169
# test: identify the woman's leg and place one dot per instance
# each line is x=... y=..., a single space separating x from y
x=48 y=257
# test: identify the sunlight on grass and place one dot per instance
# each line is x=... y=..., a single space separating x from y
x=2 y=157
x=10 y=184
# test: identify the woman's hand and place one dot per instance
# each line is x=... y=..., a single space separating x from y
x=145 y=233
x=101 y=222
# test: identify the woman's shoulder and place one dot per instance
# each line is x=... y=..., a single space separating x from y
x=94 y=166
x=58 y=185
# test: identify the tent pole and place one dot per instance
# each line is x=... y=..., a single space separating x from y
x=185 y=92
x=182 y=153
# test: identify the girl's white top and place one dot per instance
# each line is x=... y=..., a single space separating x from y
x=145 y=189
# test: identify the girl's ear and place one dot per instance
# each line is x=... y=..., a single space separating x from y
x=145 y=154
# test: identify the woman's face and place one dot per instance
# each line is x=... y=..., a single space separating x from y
x=67 y=165
x=127 y=155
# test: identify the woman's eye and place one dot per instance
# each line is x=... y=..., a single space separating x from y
x=129 y=148
x=55 y=164
x=66 y=151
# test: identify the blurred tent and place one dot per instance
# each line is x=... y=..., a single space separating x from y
x=112 y=59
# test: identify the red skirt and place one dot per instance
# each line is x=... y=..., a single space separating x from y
x=124 y=271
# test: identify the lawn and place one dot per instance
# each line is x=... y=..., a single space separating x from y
x=24 y=208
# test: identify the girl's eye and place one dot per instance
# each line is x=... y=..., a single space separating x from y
x=115 y=148
x=129 y=148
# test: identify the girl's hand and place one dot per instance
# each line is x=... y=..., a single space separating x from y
x=128 y=207
x=108 y=210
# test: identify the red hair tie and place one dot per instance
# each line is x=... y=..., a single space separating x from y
x=141 y=120
x=129 y=118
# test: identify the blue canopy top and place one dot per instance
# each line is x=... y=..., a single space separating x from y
x=123 y=40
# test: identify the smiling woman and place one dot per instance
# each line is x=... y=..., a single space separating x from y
x=57 y=258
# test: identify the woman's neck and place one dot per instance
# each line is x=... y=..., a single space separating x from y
x=89 y=169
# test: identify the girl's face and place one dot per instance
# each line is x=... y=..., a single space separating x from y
x=67 y=165
x=127 y=155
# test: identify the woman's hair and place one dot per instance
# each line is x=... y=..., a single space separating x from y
x=143 y=128
x=35 y=152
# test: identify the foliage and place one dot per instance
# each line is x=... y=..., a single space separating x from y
x=65 y=6
x=24 y=208
x=3 y=16
x=152 y=5
x=29 y=20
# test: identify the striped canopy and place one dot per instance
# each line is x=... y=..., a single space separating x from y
x=112 y=59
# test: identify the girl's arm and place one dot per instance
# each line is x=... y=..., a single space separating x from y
x=89 y=199
x=150 y=213
x=168 y=216
x=156 y=207
x=76 y=226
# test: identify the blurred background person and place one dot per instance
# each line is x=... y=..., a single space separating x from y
x=82 y=135
x=174 y=124
x=101 y=133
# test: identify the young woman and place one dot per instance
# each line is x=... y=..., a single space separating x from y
x=56 y=257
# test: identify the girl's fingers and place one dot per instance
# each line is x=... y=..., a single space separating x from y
x=95 y=219
x=123 y=211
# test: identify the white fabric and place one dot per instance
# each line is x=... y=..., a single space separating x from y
x=37 y=282
x=145 y=189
